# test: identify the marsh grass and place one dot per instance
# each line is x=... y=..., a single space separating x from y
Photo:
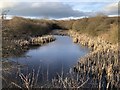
x=21 y=28
x=90 y=71
x=29 y=80
x=26 y=80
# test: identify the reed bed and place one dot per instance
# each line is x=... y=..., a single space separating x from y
x=101 y=65
x=17 y=47
x=36 y=41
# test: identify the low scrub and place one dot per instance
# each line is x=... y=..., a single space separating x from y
x=104 y=26
x=22 y=26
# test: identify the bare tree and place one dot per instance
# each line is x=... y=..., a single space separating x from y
x=3 y=14
x=3 y=17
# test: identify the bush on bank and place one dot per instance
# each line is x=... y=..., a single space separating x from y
x=107 y=27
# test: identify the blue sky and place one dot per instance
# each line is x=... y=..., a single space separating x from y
x=88 y=6
x=59 y=8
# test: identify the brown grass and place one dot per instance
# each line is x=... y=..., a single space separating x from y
x=99 y=25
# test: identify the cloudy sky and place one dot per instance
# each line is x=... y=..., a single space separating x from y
x=58 y=9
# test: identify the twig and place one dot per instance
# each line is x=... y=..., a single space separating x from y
x=83 y=83
x=16 y=85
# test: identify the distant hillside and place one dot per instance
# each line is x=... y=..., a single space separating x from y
x=104 y=26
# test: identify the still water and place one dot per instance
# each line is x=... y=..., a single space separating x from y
x=52 y=58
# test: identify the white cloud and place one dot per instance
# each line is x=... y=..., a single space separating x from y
x=61 y=0
x=44 y=9
x=7 y=4
x=54 y=9
x=111 y=9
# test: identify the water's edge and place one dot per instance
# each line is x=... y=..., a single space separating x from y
x=52 y=58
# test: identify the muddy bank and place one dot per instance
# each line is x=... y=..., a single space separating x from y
x=101 y=65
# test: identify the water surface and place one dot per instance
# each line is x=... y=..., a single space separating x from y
x=53 y=58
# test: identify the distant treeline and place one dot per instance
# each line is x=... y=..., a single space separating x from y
x=95 y=26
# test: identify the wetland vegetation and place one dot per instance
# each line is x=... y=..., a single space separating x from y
x=100 y=68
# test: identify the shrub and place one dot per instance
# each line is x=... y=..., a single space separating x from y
x=98 y=25
x=21 y=26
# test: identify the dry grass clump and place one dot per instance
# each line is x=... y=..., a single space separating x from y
x=101 y=65
x=19 y=47
x=104 y=69
x=114 y=34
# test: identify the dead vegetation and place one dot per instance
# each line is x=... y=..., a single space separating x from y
x=101 y=65
x=99 y=69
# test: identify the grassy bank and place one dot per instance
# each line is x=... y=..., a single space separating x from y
x=100 y=25
x=19 y=27
x=101 y=65
x=107 y=27
x=22 y=29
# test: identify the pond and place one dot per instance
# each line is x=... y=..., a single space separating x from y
x=52 y=58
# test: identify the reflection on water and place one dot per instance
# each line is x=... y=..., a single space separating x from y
x=54 y=57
